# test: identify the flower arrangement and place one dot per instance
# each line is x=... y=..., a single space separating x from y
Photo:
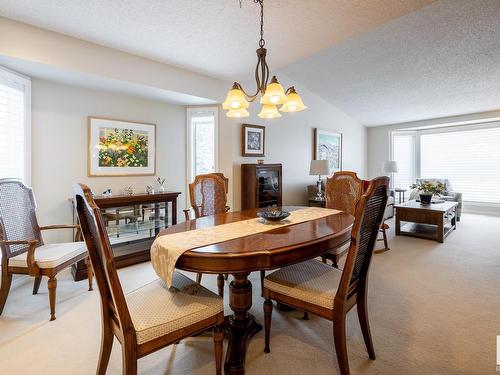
x=430 y=188
x=123 y=148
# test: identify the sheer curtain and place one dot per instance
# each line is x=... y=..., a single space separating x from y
x=404 y=152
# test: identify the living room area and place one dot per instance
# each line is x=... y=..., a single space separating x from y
x=249 y=186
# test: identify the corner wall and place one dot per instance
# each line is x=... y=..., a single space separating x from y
x=59 y=146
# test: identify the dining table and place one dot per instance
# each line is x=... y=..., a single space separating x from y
x=268 y=250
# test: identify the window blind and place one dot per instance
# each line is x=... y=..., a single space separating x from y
x=404 y=153
x=14 y=134
x=470 y=159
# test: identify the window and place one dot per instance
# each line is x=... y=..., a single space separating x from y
x=202 y=141
x=15 y=126
x=470 y=159
x=404 y=152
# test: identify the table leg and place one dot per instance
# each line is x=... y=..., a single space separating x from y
x=440 y=230
x=398 y=224
x=241 y=326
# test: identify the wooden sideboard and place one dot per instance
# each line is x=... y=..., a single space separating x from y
x=133 y=222
x=260 y=185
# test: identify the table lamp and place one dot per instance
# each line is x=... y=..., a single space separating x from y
x=390 y=167
x=319 y=168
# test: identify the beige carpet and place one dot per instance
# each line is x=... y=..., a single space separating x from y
x=434 y=309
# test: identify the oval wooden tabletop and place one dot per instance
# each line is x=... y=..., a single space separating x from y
x=262 y=251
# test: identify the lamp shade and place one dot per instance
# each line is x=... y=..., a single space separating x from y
x=237 y=113
x=269 y=111
x=319 y=168
x=390 y=166
x=293 y=103
x=275 y=94
x=235 y=100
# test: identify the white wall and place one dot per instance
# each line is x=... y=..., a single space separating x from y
x=290 y=141
x=59 y=146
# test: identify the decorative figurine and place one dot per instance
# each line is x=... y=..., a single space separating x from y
x=107 y=193
x=150 y=190
x=129 y=190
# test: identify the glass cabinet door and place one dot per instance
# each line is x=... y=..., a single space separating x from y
x=268 y=187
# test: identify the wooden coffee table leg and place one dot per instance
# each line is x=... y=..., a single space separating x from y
x=241 y=326
x=440 y=229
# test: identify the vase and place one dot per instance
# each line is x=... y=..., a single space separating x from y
x=161 y=189
x=425 y=198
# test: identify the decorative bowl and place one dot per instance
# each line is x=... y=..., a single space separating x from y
x=273 y=215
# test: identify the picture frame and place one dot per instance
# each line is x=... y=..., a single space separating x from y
x=120 y=148
x=253 y=140
x=328 y=146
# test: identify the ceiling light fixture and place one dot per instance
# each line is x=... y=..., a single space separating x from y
x=272 y=94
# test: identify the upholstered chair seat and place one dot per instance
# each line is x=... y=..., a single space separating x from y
x=311 y=281
x=157 y=310
x=51 y=255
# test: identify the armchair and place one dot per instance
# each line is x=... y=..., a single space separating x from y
x=23 y=250
x=449 y=194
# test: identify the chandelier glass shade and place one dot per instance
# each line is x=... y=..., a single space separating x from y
x=272 y=94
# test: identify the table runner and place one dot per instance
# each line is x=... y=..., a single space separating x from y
x=168 y=248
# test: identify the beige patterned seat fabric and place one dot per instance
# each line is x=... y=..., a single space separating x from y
x=310 y=281
x=51 y=255
x=156 y=310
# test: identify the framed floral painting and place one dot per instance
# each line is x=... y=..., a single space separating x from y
x=328 y=146
x=121 y=148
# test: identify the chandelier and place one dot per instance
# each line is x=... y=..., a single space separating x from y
x=272 y=94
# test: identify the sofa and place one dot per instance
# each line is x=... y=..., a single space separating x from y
x=449 y=194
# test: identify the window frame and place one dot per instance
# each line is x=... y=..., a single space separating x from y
x=440 y=130
x=190 y=157
x=24 y=83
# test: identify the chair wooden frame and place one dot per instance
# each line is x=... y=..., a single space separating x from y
x=32 y=269
x=353 y=287
x=223 y=183
x=331 y=187
x=116 y=319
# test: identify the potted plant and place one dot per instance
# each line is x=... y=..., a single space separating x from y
x=428 y=189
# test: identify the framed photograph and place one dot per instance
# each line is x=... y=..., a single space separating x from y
x=121 y=148
x=328 y=146
x=253 y=140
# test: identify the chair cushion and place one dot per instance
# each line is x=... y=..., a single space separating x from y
x=51 y=255
x=157 y=310
x=310 y=281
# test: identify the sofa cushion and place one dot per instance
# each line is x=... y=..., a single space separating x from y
x=51 y=255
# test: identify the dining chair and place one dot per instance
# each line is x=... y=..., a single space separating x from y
x=152 y=316
x=208 y=196
x=343 y=191
x=23 y=249
x=328 y=292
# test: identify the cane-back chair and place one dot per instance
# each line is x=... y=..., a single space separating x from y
x=208 y=196
x=328 y=292
x=343 y=191
x=23 y=249
x=152 y=316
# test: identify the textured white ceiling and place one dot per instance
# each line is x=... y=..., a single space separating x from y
x=439 y=61
x=215 y=37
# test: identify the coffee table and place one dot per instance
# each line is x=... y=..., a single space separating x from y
x=435 y=221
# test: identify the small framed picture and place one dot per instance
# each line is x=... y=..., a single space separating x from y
x=121 y=148
x=253 y=140
x=328 y=146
